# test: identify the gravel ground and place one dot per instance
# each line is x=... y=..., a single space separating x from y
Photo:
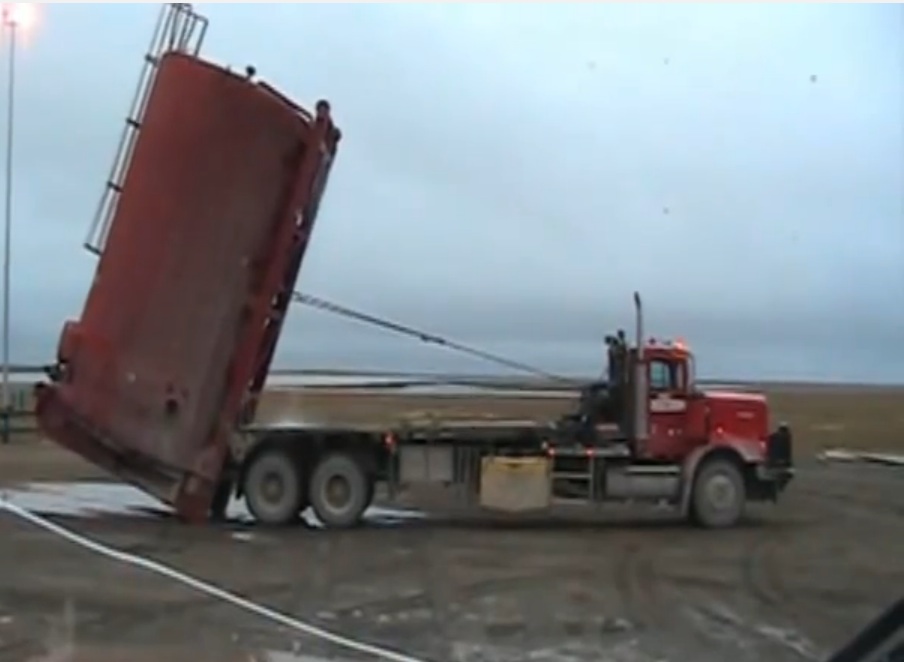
x=791 y=584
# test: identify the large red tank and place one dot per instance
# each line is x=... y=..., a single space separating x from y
x=182 y=318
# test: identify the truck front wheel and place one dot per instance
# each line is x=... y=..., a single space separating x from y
x=718 y=497
x=273 y=488
x=340 y=491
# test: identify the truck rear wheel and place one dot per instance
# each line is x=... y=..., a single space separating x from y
x=273 y=488
x=718 y=496
x=339 y=491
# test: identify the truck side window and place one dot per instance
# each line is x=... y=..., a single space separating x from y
x=661 y=376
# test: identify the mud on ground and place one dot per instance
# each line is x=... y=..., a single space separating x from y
x=791 y=584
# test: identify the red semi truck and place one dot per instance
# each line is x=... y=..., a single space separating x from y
x=158 y=381
x=644 y=433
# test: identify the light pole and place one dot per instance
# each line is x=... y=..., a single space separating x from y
x=15 y=16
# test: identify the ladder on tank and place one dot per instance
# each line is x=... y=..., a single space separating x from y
x=178 y=29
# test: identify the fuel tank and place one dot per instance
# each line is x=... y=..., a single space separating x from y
x=181 y=320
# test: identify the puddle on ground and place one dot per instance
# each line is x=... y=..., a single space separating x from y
x=98 y=499
x=884 y=458
x=843 y=455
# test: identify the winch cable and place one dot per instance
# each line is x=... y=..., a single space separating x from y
x=423 y=336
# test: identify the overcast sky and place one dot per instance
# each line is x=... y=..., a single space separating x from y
x=510 y=174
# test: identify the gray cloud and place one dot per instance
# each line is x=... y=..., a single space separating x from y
x=510 y=175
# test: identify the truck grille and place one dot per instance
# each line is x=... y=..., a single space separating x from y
x=779 y=451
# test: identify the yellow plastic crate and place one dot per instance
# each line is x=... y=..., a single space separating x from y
x=515 y=484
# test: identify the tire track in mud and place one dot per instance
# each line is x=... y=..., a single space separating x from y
x=438 y=581
x=761 y=574
x=513 y=605
x=634 y=578
x=667 y=604
x=754 y=606
x=459 y=593
x=452 y=596
x=747 y=576
x=754 y=571
x=768 y=586
x=764 y=578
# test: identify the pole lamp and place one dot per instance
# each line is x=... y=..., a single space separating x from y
x=16 y=16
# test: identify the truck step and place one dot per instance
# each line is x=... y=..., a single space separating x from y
x=571 y=475
x=615 y=450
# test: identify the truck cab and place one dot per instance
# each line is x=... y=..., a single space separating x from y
x=650 y=400
x=683 y=416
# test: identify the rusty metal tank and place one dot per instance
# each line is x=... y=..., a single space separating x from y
x=180 y=324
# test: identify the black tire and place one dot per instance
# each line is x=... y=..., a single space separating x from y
x=717 y=501
x=339 y=491
x=273 y=488
x=220 y=501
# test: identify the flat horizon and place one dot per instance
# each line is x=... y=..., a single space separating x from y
x=346 y=377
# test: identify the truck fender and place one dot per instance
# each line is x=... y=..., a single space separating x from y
x=743 y=452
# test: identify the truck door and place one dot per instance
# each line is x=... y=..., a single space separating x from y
x=668 y=408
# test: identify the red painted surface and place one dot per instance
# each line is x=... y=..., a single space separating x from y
x=186 y=307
